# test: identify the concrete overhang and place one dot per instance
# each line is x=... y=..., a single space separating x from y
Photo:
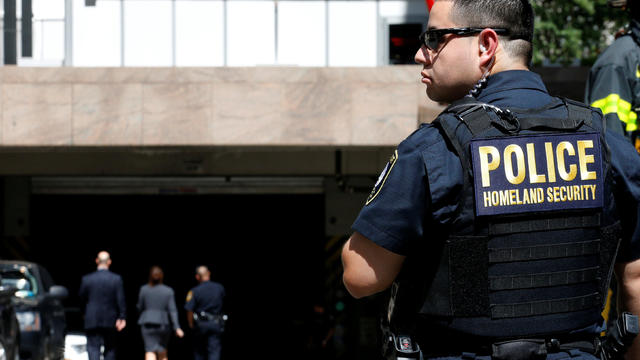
x=206 y=121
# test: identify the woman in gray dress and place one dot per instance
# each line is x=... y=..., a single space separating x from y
x=158 y=315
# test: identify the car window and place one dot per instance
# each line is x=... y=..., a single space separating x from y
x=20 y=279
x=47 y=281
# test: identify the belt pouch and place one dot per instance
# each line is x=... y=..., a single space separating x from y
x=525 y=349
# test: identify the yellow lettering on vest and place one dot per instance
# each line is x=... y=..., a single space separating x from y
x=551 y=165
x=563 y=147
x=526 y=199
x=486 y=165
x=487 y=198
x=495 y=198
x=549 y=194
x=563 y=193
x=534 y=177
x=509 y=151
x=576 y=192
x=570 y=193
x=585 y=159
x=504 y=197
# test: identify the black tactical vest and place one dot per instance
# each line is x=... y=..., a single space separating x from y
x=531 y=248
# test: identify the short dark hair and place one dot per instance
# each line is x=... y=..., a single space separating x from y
x=515 y=15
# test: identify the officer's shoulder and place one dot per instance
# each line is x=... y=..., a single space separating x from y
x=197 y=287
x=618 y=53
x=424 y=137
x=193 y=290
x=215 y=286
x=597 y=118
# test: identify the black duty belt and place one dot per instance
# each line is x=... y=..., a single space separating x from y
x=205 y=316
x=520 y=349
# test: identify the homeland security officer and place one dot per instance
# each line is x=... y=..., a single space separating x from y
x=204 y=315
x=614 y=80
x=497 y=225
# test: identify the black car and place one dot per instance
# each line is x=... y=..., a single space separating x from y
x=9 y=328
x=38 y=307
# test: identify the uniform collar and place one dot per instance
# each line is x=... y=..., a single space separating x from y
x=511 y=80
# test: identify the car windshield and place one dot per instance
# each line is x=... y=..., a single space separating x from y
x=21 y=279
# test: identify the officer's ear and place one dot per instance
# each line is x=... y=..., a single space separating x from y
x=487 y=46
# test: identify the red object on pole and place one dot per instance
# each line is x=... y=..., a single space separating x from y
x=429 y=4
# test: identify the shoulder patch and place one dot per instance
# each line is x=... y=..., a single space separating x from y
x=189 y=295
x=383 y=177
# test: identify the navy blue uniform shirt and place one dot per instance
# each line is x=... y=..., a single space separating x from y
x=421 y=183
x=207 y=296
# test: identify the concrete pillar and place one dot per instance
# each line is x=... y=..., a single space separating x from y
x=17 y=194
x=16 y=225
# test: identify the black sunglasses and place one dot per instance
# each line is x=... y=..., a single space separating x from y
x=432 y=38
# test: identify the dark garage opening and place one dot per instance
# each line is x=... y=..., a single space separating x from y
x=267 y=250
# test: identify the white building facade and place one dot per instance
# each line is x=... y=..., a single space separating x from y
x=204 y=33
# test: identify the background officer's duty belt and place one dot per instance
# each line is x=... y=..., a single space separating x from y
x=205 y=316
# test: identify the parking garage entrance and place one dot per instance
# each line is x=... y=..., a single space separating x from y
x=266 y=249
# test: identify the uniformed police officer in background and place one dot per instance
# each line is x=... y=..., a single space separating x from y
x=614 y=80
x=204 y=315
x=497 y=225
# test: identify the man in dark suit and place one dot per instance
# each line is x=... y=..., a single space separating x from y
x=102 y=293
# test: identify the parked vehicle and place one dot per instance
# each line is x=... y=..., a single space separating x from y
x=38 y=307
x=76 y=347
x=76 y=340
x=9 y=328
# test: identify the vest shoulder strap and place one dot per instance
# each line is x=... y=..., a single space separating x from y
x=476 y=117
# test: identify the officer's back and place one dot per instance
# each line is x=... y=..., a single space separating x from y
x=504 y=214
x=207 y=296
x=204 y=315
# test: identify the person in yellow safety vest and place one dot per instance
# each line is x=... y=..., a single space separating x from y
x=613 y=84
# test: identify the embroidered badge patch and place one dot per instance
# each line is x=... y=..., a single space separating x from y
x=383 y=177
x=537 y=173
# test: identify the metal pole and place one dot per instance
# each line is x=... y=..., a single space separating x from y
x=326 y=33
x=275 y=22
x=10 y=38
x=121 y=32
x=224 y=32
x=68 y=32
x=27 y=29
x=173 y=33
